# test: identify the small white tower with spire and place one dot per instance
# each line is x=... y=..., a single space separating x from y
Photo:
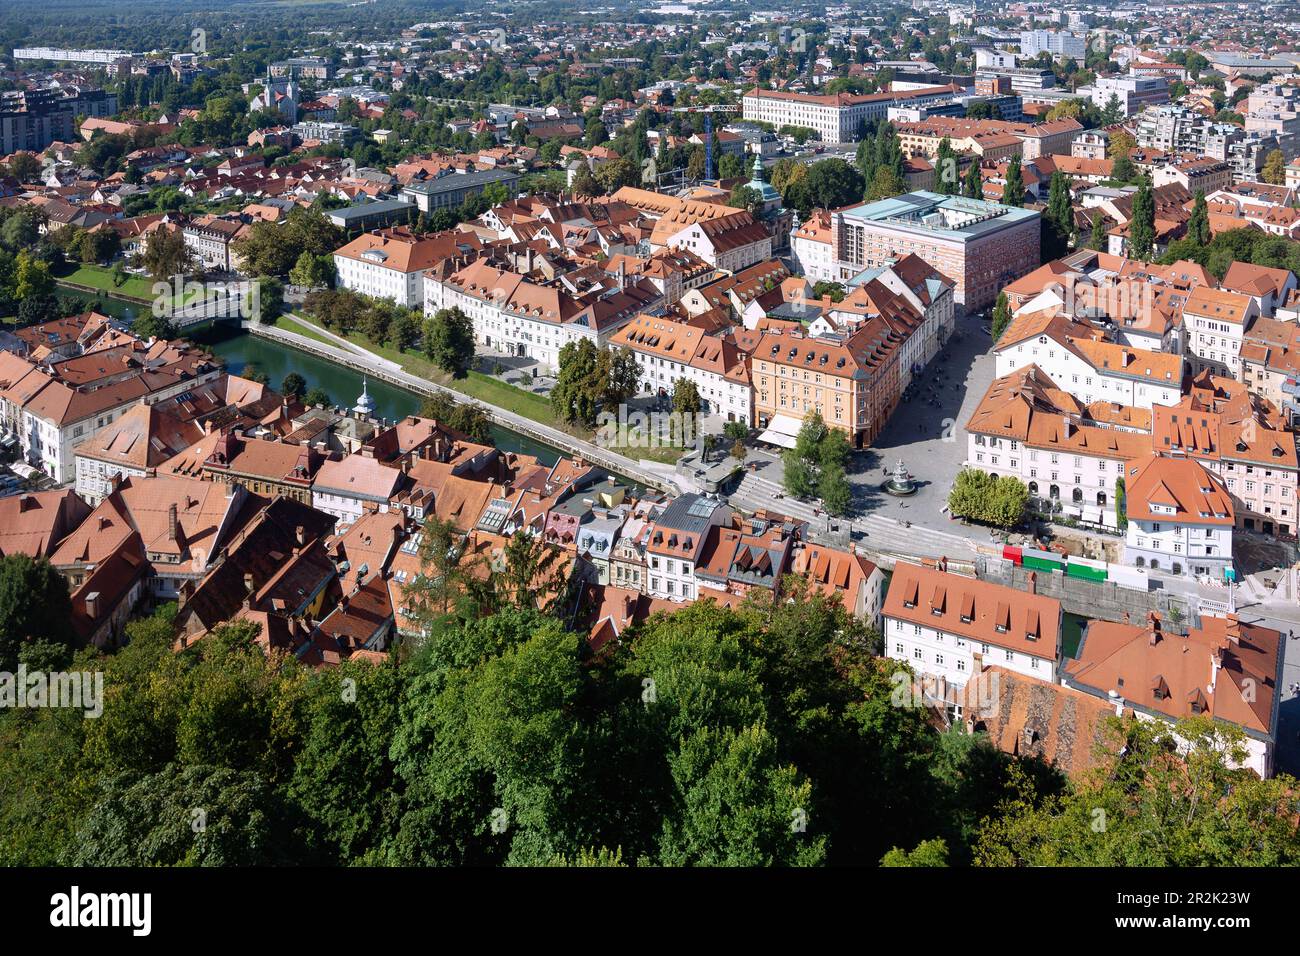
x=365 y=405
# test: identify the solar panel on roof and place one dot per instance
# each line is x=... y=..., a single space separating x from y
x=700 y=508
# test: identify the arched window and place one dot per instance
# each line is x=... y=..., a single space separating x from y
x=1054 y=493
x=1078 y=496
x=1033 y=488
x=1178 y=568
x=1141 y=562
x=1155 y=564
x=1101 y=499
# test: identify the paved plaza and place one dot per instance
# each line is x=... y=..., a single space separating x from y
x=929 y=438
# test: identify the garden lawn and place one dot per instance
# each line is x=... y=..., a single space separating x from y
x=97 y=277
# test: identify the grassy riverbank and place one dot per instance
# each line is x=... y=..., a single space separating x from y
x=476 y=385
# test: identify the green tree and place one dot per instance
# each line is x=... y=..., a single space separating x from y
x=24 y=167
x=695 y=165
x=1112 y=112
x=885 y=184
x=580 y=385
x=445 y=573
x=973 y=185
x=495 y=740
x=467 y=418
x=148 y=326
x=932 y=853
x=269 y=301
x=254 y=374
x=621 y=374
x=165 y=254
x=150 y=820
x=741 y=805
x=686 y=398
x=32 y=276
x=1098 y=239
x=343 y=779
x=1198 y=225
x=1121 y=505
x=449 y=341
x=1013 y=190
x=816 y=466
x=311 y=271
x=293 y=385
x=1142 y=225
x=1274 y=170
x=1001 y=316
x=35 y=608
x=978 y=496
x=947 y=172
x=1156 y=804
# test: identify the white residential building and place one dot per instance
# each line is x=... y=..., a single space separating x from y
x=1215 y=322
x=1092 y=370
x=390 y=263
x=676 y=544
x=1026 y=427
x=521 y=318
x=669 y=351
x=732 y=242
x=350 y=487
x=812 y=248
x=1180 y=517
x=949 y=627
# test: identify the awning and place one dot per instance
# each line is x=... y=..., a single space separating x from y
x=782 y=431
x=23 y=470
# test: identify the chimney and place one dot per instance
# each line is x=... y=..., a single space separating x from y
x=1068 y=426
x=300 y=535
x=92 y=605
x=1033 y=582
x=248 y=581
x=171 y=522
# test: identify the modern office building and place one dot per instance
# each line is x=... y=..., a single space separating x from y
x=981 y=246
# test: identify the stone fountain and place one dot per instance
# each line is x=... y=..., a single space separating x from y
x=900 y=483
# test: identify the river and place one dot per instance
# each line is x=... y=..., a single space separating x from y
x=343 y=385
